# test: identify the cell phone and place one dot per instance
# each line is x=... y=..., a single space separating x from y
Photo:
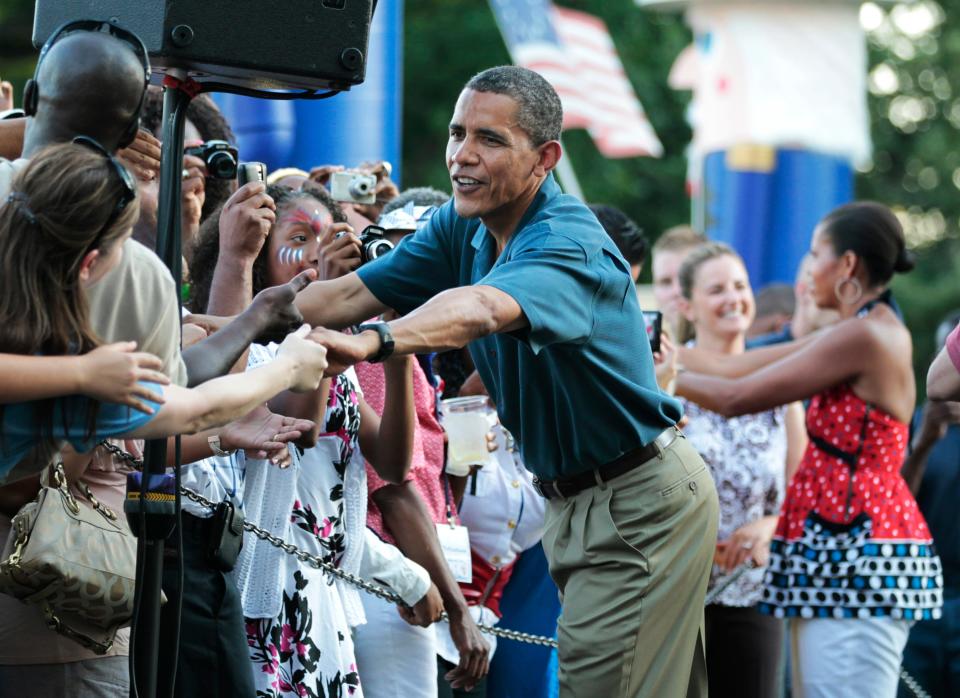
x=251 y=172
x=653 y=319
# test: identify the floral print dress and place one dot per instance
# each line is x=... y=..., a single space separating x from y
x=307 y=651
x=746 y=457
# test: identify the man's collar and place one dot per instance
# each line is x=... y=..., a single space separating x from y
x=549 y=189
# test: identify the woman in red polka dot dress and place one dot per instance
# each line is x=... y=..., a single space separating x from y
x=852 y=561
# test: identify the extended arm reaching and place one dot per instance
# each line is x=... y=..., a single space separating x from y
x=299 y=366
x=272 y=313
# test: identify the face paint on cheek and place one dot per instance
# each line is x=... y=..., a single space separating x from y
x=289 y=256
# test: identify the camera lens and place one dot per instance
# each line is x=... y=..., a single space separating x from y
x=222 y=165
x=374 y=249
x=359 y=187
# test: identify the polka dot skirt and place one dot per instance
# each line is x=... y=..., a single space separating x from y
x=852 y=552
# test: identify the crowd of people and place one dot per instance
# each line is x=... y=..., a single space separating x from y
x=765 y=458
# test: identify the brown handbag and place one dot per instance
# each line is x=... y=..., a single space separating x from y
x=76 y=563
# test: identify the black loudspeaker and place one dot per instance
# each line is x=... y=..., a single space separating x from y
x=290 y=44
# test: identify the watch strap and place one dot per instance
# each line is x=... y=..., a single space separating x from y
x=386 y=340
x=214 y=442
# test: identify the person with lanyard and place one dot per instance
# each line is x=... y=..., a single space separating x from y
x=851 y=562
x=529 y=279
x=417 y=515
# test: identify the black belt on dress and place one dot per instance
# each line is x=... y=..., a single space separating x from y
x=575 y=484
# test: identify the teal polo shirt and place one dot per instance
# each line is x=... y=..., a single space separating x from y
x=577 y=387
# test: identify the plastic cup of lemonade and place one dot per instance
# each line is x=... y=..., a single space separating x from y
x=467 y=421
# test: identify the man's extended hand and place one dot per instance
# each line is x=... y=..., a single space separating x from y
x=262 y=434
x=426 y=611
x=474 y=653
x=274 y=311
x=344 y=350
x=245 y=222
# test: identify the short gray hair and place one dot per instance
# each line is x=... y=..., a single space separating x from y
x=539 y=112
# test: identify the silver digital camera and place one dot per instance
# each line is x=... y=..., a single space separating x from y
x=353 y=187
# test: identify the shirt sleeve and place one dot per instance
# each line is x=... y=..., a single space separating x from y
x=953 y=347
x=111 y=420
x=385 y=563
x=550 y=280
x=421 y=266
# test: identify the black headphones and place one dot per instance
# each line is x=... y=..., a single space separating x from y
x=31 y=91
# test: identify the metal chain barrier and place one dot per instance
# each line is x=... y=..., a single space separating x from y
x=913 y=685
x=332 y=570
x=375 y=589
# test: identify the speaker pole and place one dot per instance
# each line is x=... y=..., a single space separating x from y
x=158 y=513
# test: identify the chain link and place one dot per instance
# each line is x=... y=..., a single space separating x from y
x=912 y=684
x=332 y=570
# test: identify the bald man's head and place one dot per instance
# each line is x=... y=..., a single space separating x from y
x=89 y=83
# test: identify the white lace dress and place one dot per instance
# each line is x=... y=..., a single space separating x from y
x=746 y=456
x=299 y=621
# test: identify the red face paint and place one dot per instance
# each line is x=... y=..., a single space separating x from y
x=315 y=221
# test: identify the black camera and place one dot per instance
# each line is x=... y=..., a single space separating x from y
x=219 y=157
x=373 y=243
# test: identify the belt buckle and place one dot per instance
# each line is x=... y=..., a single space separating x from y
x=547 y=490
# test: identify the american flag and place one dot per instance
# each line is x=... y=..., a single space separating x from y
x=574 y=52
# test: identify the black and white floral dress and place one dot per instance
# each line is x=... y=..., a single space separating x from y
x=307 y=651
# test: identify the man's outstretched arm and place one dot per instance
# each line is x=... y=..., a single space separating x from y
x=449 y=320
x=338 y=303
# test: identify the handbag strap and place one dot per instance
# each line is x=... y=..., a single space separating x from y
x=54 y=478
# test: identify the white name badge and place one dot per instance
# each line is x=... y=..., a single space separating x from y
x=455 y=541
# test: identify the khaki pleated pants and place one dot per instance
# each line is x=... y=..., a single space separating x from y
x=632 y=558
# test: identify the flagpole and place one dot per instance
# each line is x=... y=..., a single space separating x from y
x=567 y=177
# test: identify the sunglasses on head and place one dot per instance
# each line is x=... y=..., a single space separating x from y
x=129 y=191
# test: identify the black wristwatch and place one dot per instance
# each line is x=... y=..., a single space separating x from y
x=386 y=340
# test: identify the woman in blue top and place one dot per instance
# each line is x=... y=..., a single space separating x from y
x=62 y=228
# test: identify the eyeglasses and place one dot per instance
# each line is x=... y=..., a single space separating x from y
x=129 y=192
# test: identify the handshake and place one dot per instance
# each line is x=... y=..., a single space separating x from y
x=315 y=353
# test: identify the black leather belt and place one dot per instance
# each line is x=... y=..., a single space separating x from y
x=575 y=484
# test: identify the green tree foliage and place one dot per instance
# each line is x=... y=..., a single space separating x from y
x=915 y=116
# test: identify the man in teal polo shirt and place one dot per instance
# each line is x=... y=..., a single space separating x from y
x=526 y=276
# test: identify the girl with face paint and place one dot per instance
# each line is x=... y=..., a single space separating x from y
x=299 y=626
